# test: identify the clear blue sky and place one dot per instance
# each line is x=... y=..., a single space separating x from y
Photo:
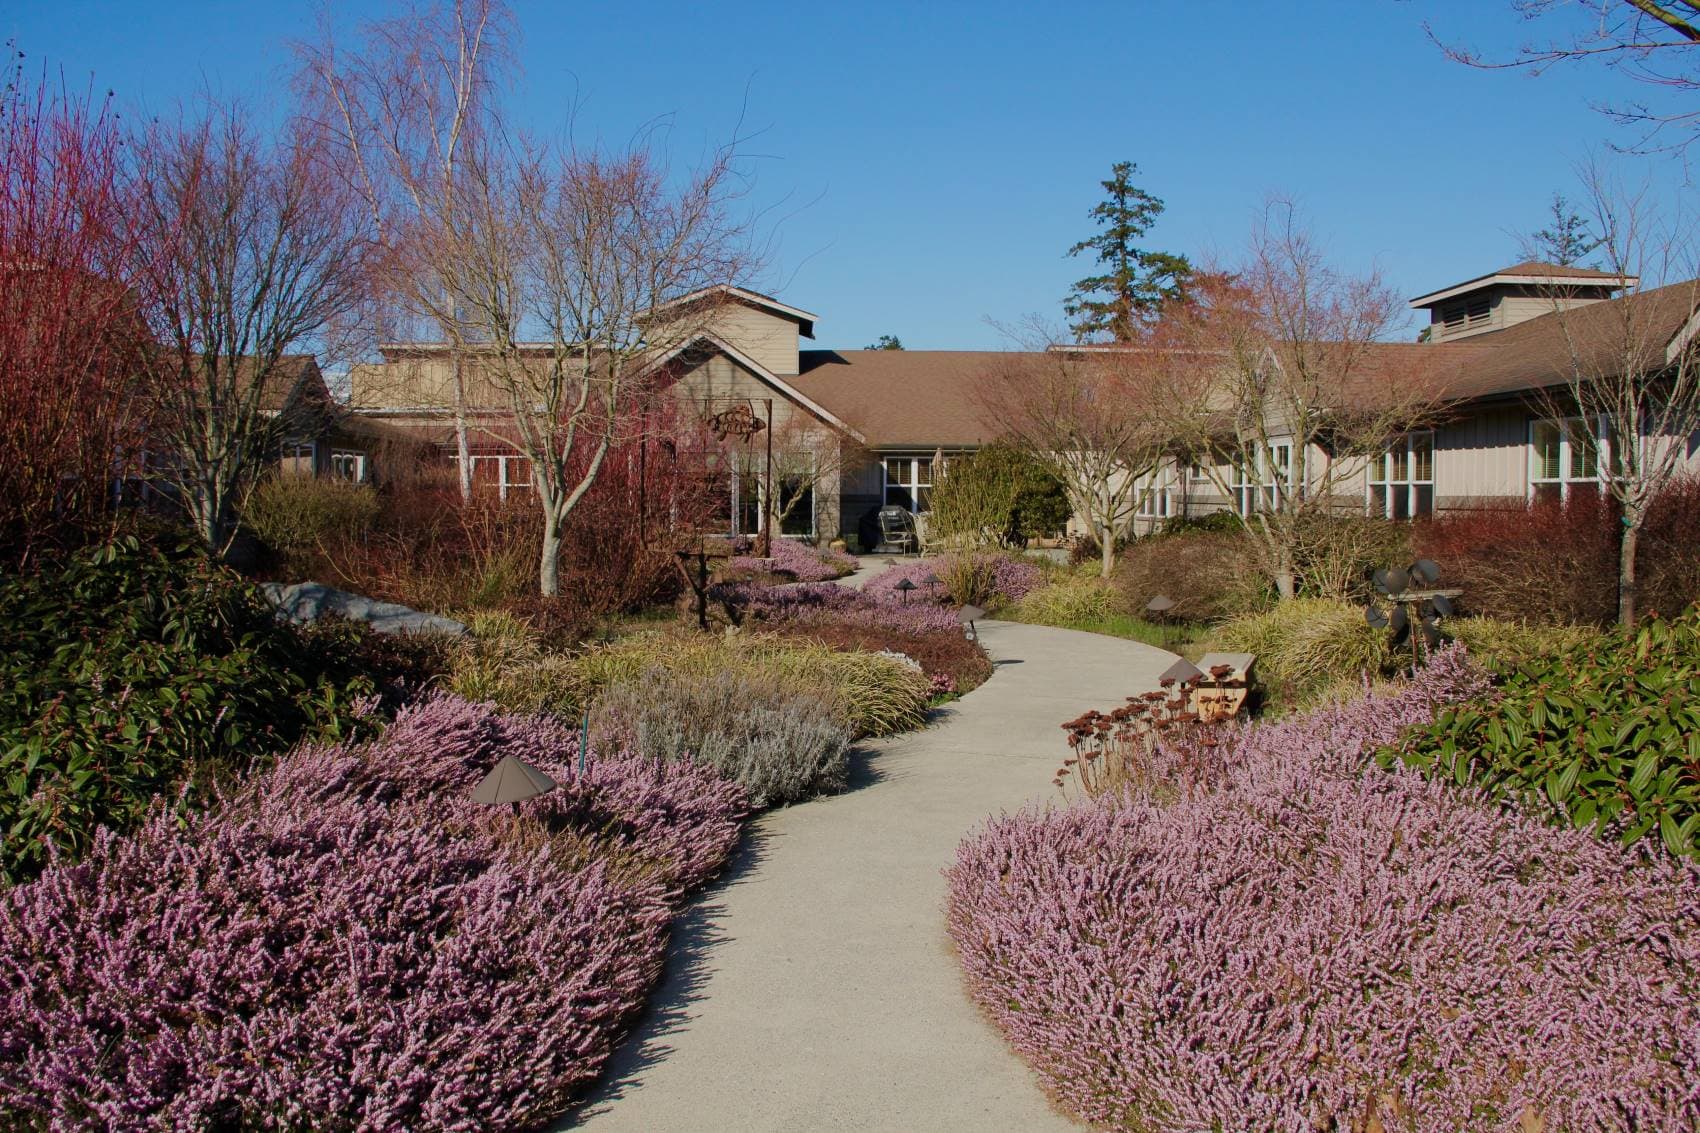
x=928 y=164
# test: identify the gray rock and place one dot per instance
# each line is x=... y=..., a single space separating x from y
x=308 y=601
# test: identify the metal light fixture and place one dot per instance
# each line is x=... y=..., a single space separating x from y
x=903 y=587
x=968 y=615
x=931 y=581
x=1159 y=608
x=513 y=780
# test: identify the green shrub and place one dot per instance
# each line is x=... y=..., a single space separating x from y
x=297 y=514
x=1209 y=575
x=1071 y=600
x=1607 y=738
x=998 y=496
x=1307 y=646
x=778 y=743
x=130 y=670
x=1213 y=522
x=1506 y=645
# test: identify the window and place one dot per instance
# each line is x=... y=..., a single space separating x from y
x=504 y=473
x=1274 y=479
x=1401 y=480
x=797 y=493
x=348 y=465
x=1564 y=457
x=909 y=482
x=1156 y=496
x=298 y=458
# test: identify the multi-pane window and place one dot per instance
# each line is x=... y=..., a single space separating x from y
x=909 y=482
x=1273 y=479
x=504 y=473
x=348 y=465
x=1156 y=497
x=1564 y=457
x=299 y=458
x=1401 y=480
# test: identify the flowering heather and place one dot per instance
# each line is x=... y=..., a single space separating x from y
x=805 y=603
x=1293 y=942
x=982 y=578
x=348 y=942
x=800 y=560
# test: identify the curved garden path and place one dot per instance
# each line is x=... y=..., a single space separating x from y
x=814 y=987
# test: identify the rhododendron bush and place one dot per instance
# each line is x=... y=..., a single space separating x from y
x=1287 y=940
x=348 y=942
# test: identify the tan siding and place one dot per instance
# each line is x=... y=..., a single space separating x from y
x=1484 y=456
x=768 y=340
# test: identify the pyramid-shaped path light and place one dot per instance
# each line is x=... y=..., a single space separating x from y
x=513 y=780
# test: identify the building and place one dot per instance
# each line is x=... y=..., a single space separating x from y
x=859 y=429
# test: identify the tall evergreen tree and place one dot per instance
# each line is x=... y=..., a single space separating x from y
x=1569 y=238
x=1135 y=283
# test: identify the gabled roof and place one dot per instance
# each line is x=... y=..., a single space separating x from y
x=805 y=320
x=1531 y=273
x=785 y=387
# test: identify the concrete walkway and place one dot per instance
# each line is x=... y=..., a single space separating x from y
x=814 y=986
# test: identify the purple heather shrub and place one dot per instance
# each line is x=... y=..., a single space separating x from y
x=348 y=942
x=803 y=603
x=801 y=561
x=1298 y=940
x=982 y=578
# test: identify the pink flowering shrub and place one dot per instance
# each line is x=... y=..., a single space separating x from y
x=1289 y=939
x=981 y=578
x=801 y=561
x=348 y=942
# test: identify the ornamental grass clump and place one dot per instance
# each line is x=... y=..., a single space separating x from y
x=779 y=744
x=1298 y=940
x=1071 y=600
x=348 y=942
x=1307 y=646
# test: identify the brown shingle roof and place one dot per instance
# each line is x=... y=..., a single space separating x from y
x=1537 y=354
x=898 y=398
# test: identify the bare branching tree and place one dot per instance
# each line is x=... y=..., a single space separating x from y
x=1629 y=405
x=402 y=113
x=579 y=275
x=1278 y=384
x=1651 y=41
x=256 y=254
x=1088 y=416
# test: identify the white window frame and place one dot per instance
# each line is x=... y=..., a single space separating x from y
x=1156 y=496
x=1381 y=475
x=812 y=482
x=353 y=457
x=1600 y=428
x=505 y=480
x=1275 y=478
x=912 y=484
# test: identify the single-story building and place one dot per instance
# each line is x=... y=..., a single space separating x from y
x=856 y=430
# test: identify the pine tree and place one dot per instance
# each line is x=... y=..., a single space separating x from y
x=886 y=342
x=1135 y=282
x=1569 y=238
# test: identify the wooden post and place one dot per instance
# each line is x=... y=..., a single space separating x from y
x=767 y=489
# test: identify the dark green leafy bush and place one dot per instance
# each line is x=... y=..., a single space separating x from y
x=131 y=670
x=1608 y=739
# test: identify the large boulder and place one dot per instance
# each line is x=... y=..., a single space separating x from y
x=308 y=601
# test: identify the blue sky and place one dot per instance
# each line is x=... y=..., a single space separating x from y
x=925 y=166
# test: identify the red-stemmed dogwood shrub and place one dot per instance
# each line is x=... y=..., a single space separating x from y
x=1287 y=939
x=349 y=942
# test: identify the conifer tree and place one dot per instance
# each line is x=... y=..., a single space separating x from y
x=1569 y=238
x=1134 y=283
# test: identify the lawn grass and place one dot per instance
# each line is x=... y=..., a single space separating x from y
x=1179 y=638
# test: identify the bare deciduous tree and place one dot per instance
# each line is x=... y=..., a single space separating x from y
x=1087 y=415
x=1650 y=41
x=254 y=255
x=1629 y=404
x=577 y=276
x=403 y=113
x=1279 y=385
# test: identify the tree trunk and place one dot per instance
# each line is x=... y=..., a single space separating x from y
x=1626 y=612
x=463 y=454
x=1106 y=552
x=549 y=565
x=1286 y=578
